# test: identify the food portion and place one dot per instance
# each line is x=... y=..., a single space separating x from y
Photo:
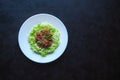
x=43 y=38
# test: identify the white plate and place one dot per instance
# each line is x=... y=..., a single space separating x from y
x=25 y=30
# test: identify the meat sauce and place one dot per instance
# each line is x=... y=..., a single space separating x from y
x=43 y=38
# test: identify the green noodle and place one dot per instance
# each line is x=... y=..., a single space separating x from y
x=43 y=51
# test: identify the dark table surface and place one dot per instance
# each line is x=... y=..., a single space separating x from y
x=94 y=40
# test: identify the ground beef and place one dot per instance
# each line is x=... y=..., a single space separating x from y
x=44 y=38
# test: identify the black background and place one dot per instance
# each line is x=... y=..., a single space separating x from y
x=94 y=40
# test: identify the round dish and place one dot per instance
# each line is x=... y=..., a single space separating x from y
x=25 y=30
